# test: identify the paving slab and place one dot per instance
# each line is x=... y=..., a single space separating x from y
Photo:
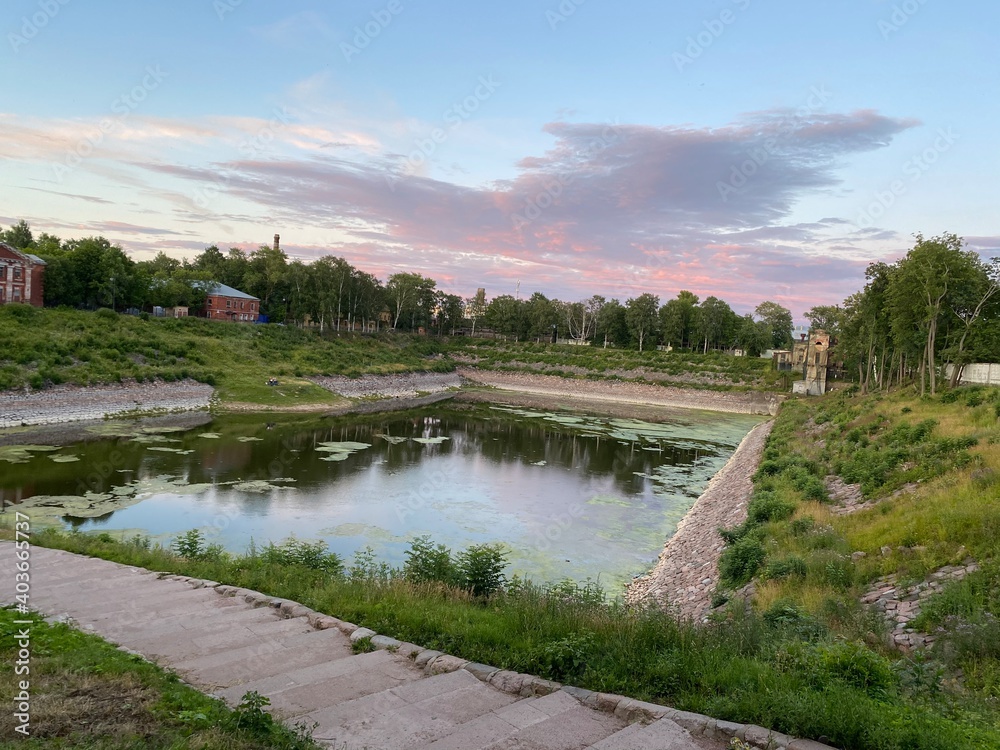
x=378 y=721
x=358 y=676
x=660 y=735
x=265 y=658
x=569 y=730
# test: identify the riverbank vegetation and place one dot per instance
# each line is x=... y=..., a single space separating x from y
x=86 y=693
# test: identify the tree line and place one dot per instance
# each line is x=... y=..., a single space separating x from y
x=331 y=293
x=939 y=304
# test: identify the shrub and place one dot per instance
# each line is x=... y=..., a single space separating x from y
x=793 y=565
x=311 y=555
x=741 y=561
x=767 y=506
x=191 y=544
x=426 y=561
x=106 y=313
x=481 y=569
x=563 y=659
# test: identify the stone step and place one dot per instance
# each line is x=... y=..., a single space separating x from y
x=403 y=717
x=574 y=729
x=322 y=685
x=94 y=595
x=190 y=637
x=167 y=615
x=265 y=657
x=660 y=735
x=486 y=730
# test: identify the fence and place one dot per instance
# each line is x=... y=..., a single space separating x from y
x=981 y=373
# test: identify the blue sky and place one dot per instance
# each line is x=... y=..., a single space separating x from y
x=739 y=148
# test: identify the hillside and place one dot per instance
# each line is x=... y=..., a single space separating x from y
x=40 y=347
x=44 y=347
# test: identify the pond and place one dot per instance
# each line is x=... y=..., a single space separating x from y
x=571 y=495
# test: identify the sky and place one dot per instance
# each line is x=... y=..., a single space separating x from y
x=744 y=149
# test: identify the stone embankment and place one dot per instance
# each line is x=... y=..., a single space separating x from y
x=402 y=385
x=70 y=403
x=687 y=571
x=740 y=402
x=353 y=687
x=901 y=605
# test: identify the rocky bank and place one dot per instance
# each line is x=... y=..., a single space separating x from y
x=687 y=571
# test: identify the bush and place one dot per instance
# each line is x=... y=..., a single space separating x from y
x=793 y=565
x=741 y=561
x=426 y=561
x=312 y=555
x=192 y=545
x=481 y=569
x=106 y=313
x=767 y=506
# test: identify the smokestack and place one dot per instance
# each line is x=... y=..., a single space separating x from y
x=277 y=241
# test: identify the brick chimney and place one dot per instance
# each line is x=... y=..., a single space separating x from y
x=277 y=241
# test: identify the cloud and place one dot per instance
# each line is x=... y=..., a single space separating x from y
x=609 y=208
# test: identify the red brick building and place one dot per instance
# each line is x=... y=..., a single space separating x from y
x=22 y=276
x=225 y=303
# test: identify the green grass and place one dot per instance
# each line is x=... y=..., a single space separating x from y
x=85 y=694
x=944 y=453
x=713 y=371
x=52 y=346
x=782 y=669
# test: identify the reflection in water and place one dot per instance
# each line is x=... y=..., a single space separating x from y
x=573 y=496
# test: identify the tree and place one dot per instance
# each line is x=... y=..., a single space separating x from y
x=449 y=312
x=265 y=276
x=827 y=318
x=971 y=304
x=612 y=324
x=641 y=316
x=678 y=319
x=779 y=320
x=541 y=316
x=716 y=323
x=475 y=308
x=408 y=294
x=505 y=315
x=19 y=236
x=754 y=336
x=931 y=270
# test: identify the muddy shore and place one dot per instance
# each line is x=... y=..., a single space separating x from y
x=739 y=402
x=687 y=571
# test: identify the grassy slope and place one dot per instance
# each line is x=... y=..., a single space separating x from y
x=39 y=346
x=85 y=693
x=684 y=369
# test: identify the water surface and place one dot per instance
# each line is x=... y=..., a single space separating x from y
x=572 y=495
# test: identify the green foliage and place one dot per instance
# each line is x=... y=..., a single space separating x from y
x=250 y=713
x=313 y=555
x=426 y=561
x=784 y=567
x=564 y=659
x=767 y=506
x=481 y=569
x=362 y=645
x=741 y=560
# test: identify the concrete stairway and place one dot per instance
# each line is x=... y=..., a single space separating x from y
x=229 y=641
